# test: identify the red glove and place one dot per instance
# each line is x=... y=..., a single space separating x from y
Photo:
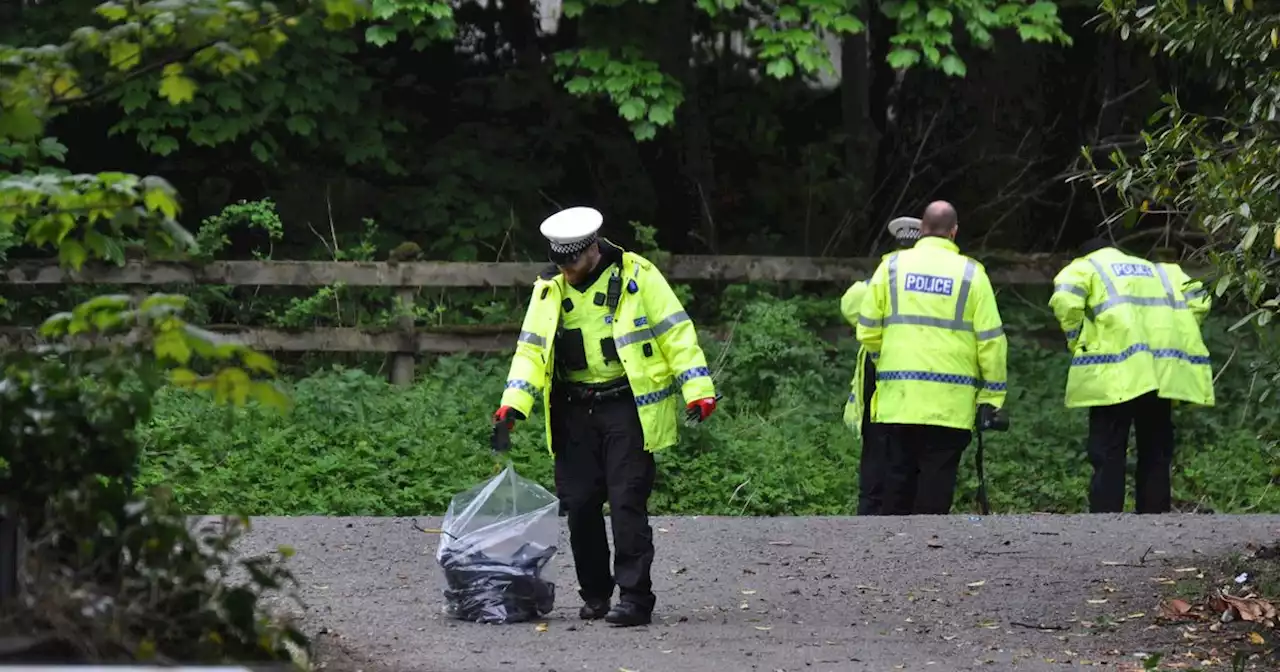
x=700 y=409
x=508 y=415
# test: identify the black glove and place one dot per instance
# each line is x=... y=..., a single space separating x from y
x=503 y=421
x=500 y=440
x=992 y=419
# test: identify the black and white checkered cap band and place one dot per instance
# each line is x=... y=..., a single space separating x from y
x=574 y=247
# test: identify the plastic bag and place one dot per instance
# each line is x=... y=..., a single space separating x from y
x=497 y=543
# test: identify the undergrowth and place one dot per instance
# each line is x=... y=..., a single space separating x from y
x=356 y=445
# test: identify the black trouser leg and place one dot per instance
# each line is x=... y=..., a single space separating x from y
x=937 y=455
x=629 y=475
x=580 y=485
x=1153 y=436
x=900 y=474
x=1108 y=444
x=873 y=464
x=873 y=458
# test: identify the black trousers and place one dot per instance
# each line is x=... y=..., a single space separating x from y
x=1152 y=420
x=600 y=457
x=923 y=462
x=873 y=461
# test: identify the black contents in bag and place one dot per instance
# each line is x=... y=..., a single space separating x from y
x=498 y=542
x=486 y=589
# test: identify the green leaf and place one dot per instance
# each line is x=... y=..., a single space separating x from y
x=952 y=65
x=632 y=109
x=169 y=344
x=939 y=16
x=1249 y=237
x=300 y=125
x=20 y=124
x=900 y=58
x=175 y=86
x=72 y=253
x=124 y=55
x=780 y=68
x=662 y=113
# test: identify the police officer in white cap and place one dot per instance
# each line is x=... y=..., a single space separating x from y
x=608 y=348
x=873 y=458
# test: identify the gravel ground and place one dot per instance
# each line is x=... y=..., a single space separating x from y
x=919 y=593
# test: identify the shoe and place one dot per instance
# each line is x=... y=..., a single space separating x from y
x=628 y=614
x=594 y=610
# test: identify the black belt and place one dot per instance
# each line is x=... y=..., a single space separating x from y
x=582 y=392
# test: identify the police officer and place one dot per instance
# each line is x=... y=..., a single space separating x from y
x=607 y=347
x=1133 y=330
x=873 y=458
x=930 y=315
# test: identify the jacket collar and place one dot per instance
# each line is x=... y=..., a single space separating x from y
x=937 y=243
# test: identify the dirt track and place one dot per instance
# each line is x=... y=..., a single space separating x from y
x=922 y=593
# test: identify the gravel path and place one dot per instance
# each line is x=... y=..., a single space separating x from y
x=819 y=594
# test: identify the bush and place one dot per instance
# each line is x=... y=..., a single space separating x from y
x=113 y=575
x=355 y=445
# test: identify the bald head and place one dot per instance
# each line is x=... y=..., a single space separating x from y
x=939 y=219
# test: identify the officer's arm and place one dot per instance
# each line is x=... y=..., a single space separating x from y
x=676 y=337
x=529 y=362
x=851 y=302
x=993 y=345
x=1198 y=299
x=1070 y=292
x=870 y=332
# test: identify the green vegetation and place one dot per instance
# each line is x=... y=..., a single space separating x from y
x=355 y=445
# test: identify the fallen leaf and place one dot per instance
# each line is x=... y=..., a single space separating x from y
x=748 y=592
x=976 y=584
x=1174 y=608
x=542 y=627
x=1184 y=570
x=1101 y=601
x=1111 y=563
x=764 y=627
x=1252 y=609
x=1256 y=639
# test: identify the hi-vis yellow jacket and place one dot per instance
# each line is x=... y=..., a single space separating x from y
x=1132 y=327
x=930 y=314
x=656 y=342
x=850 y=304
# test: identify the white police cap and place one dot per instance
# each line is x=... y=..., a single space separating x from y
x=571 y=230
x=905 y=228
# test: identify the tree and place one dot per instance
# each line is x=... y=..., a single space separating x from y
x=117 y=576
x=1211 y=165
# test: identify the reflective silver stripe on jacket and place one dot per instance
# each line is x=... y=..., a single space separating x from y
x=958 y=323
x=656 y=330
x=1115 y=298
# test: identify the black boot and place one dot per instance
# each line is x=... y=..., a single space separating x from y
x=628 y=614
x=594 y=610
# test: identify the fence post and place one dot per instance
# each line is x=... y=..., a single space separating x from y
x=10 y=555
x=402 y=362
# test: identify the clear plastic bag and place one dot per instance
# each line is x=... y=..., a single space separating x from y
x=497 y=543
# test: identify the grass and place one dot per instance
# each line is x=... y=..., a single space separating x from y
x=355 y=445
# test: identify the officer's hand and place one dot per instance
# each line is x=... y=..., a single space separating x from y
x=992 y=419
x=507 y=416
x=700 y=409
x=503 y=420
